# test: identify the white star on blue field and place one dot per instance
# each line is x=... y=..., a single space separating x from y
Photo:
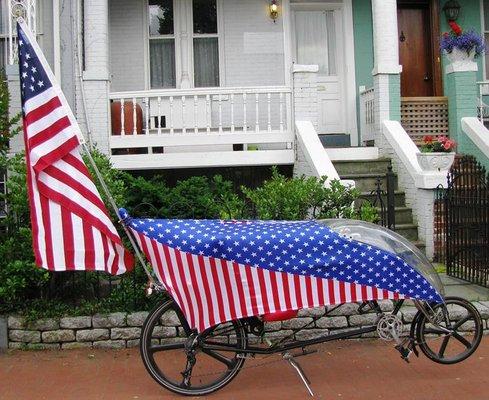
x=298 y=247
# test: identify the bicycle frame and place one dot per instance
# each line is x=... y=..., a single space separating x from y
x=281 y=348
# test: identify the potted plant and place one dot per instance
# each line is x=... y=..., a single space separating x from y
x=460 y=45
x=437 y=154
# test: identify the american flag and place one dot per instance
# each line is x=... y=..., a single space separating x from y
x=223 y=270
x=71 y=227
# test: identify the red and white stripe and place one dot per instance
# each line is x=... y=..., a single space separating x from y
x=71 y=227
x=211 y=290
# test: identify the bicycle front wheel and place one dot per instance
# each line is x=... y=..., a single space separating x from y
x=455 y=335
x=173 y=355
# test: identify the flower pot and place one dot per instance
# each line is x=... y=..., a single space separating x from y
x=457 y=55
x=431 y=162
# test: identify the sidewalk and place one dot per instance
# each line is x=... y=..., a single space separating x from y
x=352 y=370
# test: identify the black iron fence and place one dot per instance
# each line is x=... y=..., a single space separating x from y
x=462 y=222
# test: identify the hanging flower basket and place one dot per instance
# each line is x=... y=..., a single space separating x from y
x=460 y=45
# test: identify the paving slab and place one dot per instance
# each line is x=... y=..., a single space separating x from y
x=349 y=370
x=461 y=288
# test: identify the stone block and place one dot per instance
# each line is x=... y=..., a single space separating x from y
x=76 y=345
x=132 y=343
x=362 y=320
x=483 y=308
x=273 y=326
x=42 y=346
x=137 y=318
x=170 y=319
x=109 y=321
x=61 y=335
x=125 y=333
x=15 y=322
x=109 y=344
x=76 y=322
x=91 y=335
x=296 y=323
x=408 y=313
x=386 y=305
x=164 y=331
x=3 y=334
x=24 y=336
x=332 y=322
x=344 y=309
x=310 y=334
x=44 y=324
x=312 y=312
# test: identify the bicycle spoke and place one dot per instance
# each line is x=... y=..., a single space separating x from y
x=219 y=357
x=461 y=322
x=164 y=347
x=462 y=340
x=443 y=346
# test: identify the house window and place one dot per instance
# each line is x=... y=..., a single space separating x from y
x=205 y=43
x=162 y=44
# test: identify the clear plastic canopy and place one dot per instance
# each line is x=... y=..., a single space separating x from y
x=388 y=240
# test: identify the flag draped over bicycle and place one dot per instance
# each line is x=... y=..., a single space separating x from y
x=223 y=270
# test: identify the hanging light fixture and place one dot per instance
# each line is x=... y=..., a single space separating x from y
x=273 y=10
x=451 y=10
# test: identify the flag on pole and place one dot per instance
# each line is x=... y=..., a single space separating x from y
x=224 y=270
x=71 y=227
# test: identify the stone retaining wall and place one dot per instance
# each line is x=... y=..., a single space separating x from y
x=120 y=330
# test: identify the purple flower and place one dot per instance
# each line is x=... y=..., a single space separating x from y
x=469 y=40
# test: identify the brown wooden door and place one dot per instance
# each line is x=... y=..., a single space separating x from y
x=415 y=44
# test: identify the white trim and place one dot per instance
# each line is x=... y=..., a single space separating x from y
x=483 y=29
x=287 y=31
x=204 y=159
x=56 y=40
x=352 y=153
x=477 y=133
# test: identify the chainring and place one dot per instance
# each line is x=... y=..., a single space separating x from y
x=389 y=327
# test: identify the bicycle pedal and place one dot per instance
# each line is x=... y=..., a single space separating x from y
x=405 y=352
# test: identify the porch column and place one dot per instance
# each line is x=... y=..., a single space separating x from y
x=386 y=72
x=96 y=73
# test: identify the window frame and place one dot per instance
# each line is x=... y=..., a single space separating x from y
x=220 y=42
x=484 y=30
x=178 y=19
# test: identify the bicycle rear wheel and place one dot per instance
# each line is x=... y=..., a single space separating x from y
x=173 y=356
x=455 y=335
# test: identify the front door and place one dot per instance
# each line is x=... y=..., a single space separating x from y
x=318 y=41
x=415 y=49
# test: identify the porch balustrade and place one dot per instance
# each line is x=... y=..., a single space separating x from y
x=204 y=120
x=482 y=106
x=367 y=114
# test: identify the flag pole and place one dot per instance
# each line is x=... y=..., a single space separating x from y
x=116 y=210
x=83 y=143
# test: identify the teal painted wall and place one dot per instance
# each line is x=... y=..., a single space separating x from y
x=470 y=17
x=364 y=50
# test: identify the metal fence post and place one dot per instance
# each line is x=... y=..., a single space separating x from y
x=391 y=206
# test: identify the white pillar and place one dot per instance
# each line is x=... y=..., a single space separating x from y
x=96 y=73
x=185 y=37
x=386 y=37
x=386 y=63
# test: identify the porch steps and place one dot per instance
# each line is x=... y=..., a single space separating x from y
x=365 y=174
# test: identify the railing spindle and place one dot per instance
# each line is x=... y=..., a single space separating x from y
x=257 y=122
x=123 y=131
x=232 y=112
x=281 y=110
x=208 y=115
x=269 y=127
x=158 y=118
x=245 y=128
x=184 y=126
x=146 y=114
x=220 y=112
x=171 y=116
x=196 y=128
x=134 y=117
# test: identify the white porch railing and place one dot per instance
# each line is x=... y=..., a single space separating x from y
x=367 y=114
x=204 y=120
x=15 y=9
x=482 y=106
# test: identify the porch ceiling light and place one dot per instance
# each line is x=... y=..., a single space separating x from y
x=451 y=10
x=273 y=10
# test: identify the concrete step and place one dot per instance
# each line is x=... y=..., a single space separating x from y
x=404 y=215
x=368 y=181
x=409 y=231
x=362 y=166
x=399 y=198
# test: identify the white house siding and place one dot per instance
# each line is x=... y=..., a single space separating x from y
x=127 y=43
x=253 y=44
